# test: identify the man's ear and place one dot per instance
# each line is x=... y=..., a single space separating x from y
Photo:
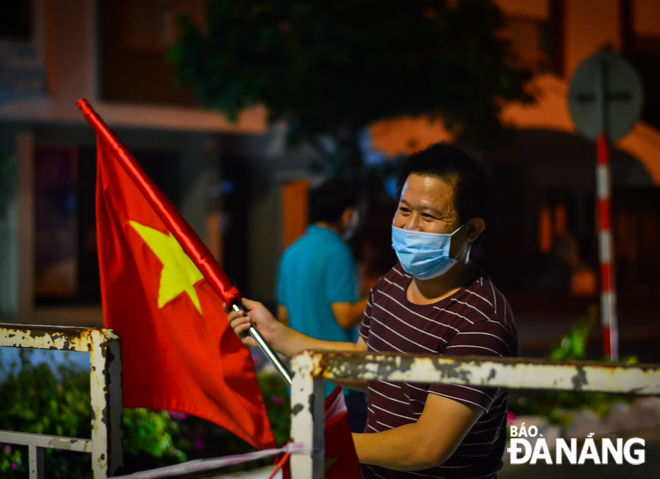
x=347 y=216
x=475 y=227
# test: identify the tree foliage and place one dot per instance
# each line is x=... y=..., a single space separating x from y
x=329 y=69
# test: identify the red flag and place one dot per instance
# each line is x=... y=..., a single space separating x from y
x=341 y=461
x=163 y=291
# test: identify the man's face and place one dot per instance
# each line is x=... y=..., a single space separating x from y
x=427 y=205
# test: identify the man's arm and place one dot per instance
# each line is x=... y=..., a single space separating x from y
x=348 y=314
x=427 y=443
x=281 y=338
x=296 y=341
x=282 y=314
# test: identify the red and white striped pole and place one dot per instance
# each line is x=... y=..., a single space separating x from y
x=606 y=250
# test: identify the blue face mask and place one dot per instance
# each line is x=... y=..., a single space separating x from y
x=423 y=255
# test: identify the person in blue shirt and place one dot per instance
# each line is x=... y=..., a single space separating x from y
x=317 y=292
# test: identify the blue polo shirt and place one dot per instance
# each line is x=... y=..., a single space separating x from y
x=316 y=271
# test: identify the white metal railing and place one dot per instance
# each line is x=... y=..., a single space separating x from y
x=103 y=346
x=310 y=368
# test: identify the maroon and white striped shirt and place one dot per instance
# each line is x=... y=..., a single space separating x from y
x=475 y=321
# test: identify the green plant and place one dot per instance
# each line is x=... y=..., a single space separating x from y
x=11 y=459
x=36 y=398
x=154 y=433
x=39 y=398
x=557 y=406
x=276 y=399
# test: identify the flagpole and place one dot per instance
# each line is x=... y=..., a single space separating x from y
x=180 y=229
x=268 y=351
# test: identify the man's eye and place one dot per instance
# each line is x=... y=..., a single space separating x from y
x=428 y=217
x=404 y=210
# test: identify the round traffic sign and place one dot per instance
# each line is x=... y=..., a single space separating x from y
x=605 y=95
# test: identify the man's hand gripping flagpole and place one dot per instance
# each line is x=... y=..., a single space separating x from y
x=264 y=346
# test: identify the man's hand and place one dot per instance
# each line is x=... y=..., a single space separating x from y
x=255 y=314
x=280 y=337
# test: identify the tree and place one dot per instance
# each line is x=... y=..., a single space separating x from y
x=330 y=69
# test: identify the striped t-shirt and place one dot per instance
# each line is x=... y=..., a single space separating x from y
x=475 y=321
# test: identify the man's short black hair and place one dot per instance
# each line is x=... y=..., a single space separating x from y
x=329 y=200
x=470 y=177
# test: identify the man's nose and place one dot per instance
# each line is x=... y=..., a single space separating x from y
x=413 y=223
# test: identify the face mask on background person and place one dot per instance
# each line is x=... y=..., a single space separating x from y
x=423 y=255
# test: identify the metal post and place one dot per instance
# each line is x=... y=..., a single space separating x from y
x=36 y=458
x=605 y=240
x=104 y=348
x=307 y=416
x=106 y=400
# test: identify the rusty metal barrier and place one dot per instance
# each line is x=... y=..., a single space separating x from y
x=310 y=368
x=103 y=346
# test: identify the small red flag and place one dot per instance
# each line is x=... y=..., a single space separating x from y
x=163 y=291
x=341 y=461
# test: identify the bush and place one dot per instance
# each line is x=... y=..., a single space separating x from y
x=45 y=399
x=35 y=398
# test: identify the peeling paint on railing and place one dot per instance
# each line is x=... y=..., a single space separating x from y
x=310 y=367
x=592 y=376
x=103 y=346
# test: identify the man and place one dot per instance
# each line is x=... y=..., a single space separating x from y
x=435 y=301
x=316 y=283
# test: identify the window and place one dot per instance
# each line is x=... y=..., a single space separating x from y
x=530 y=40
x=16 y=20
x=135 y=37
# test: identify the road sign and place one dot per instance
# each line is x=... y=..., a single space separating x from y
x=605 y=101
x=612 y=80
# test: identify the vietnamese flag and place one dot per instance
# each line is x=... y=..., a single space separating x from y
x=163 y=293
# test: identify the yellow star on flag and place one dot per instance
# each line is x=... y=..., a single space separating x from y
x=179 y=273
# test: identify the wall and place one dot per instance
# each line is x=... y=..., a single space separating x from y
x=590 y=26
x=68 y=35
x=9 y=228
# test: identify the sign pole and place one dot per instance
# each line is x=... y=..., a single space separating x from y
x=605 y=240
x=605 y=102
x=605 y=250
